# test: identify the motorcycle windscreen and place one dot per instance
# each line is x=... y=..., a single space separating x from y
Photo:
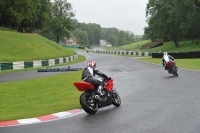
x=83 y=86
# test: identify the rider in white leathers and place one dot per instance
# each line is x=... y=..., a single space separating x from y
x=166 y=58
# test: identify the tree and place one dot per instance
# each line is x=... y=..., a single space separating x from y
x=190 y=25
x=97 y=32
x=163 y=20
x=173 y=19
x=61 y=23
x=41 y=18
x=18 y=12
x=81 y=36
x=121 y=37
x=89 y=30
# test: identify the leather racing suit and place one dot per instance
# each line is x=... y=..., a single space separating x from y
x=88 y=75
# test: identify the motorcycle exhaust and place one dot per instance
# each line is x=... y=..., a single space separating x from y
x=98 y=98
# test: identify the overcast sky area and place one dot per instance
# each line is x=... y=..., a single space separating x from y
x=127 y=15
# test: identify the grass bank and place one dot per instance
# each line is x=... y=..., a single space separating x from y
x=17 y=46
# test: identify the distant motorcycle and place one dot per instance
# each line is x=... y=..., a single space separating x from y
x=171 y=68
x=91 y=102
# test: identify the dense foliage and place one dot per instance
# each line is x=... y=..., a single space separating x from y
x=23 y=15
x=173 y=20
x=52 y=18
x=92 y=34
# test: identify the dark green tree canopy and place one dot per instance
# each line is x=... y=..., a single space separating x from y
x=62 y=14
x=173 y=20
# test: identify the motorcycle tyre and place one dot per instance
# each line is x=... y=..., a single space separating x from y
x=174 y=71
x=85 y=104
x=114 y=102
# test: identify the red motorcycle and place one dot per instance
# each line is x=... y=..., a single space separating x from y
x=91 y=101
x=171 y=68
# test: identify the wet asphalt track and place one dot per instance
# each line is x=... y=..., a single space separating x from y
x=152 y=100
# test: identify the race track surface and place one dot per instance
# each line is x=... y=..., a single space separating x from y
x=152 y=100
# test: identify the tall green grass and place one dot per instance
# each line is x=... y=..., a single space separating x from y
x=15 y=46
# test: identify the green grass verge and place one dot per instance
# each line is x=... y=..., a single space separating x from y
x=40 y=96
x=193 y=64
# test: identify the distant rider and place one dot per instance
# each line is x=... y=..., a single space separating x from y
x=88 y=75
x=166 y=58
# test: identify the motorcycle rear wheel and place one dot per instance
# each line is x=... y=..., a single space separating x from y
x=88 y=104
x=174 y=70
x=116 y=100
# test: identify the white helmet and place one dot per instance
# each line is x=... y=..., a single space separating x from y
x=165 y=53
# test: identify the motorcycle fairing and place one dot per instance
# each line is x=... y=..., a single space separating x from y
x=83 y=86
x=109 y=85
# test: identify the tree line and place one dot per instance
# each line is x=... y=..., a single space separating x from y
x=173 y=20
x=92 y=34
x=55 y=20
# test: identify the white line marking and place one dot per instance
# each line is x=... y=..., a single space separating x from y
x=62 y=114
x=28 y=121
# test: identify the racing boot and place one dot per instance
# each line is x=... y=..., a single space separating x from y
x=99 y=90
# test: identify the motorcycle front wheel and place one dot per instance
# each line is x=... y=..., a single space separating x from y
x=88 y=104
x=116 y=100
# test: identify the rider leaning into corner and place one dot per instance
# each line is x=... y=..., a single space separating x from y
x=88 y=75
x=166 y=58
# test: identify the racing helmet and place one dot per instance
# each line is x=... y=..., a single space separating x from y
x=91 y=64
x=165 y=53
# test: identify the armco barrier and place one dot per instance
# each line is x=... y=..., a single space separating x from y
x=33 y=64
x=124 y=53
